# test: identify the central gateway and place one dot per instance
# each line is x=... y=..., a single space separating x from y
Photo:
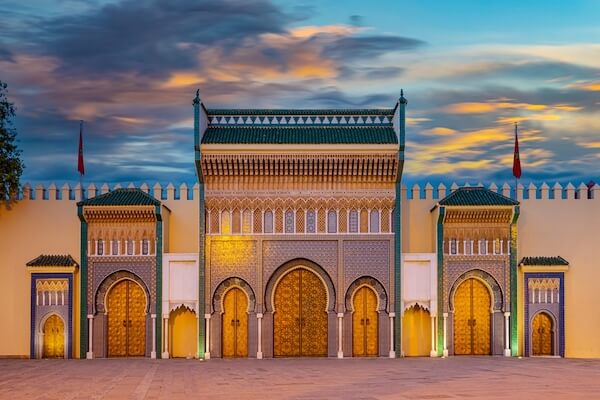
x=300 y=327
x=472 y=318
x=126 y=320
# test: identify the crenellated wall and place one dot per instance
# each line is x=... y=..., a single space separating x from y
x=554 y=220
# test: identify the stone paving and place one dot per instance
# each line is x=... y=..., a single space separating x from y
x=409 y=378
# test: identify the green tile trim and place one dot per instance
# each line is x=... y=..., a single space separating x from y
x=159 y=254
x=52 y=260
x=476 y=196
x=440 y=281
x=544 y=261
x=398 y=272
x=201 y=229
x=201 y=274
x=122 y=197
x=83 y=325
x=514 y=312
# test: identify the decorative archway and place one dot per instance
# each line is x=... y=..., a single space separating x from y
x=110 y=281
x=472 y=318
x=294 y=264
x=184 y=328
x=373 y=284
x=416 y=331
x=226 y=285
x=487 y=279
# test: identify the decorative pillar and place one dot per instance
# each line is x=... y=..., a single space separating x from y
x=340 y=353
x=207 y=345
x=90 y=353
x=445 y=353
x=392 y=352
x=506 y=335
x=433 y=352
x=165 y=353
x=259 y=354
x=153 y=352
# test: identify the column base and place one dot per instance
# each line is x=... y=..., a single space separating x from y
x=340 y=354
x=507 y=353
x=259 y=355
x=445 y=353
x=433 y=353
x=165 y=354
x=89 y=355
x=207 y=355
x=392 y=354
x=152 y=354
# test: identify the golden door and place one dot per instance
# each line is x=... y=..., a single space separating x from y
x=541 y=335
x=235 y=324
x=126 y=320
x=54 y=337
x=365 y=323
x=300 y=326
x=472 y=320
x=416 y=332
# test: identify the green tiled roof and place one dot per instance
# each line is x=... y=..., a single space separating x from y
x=300 y=135
x=121 y=197
x=52 y=260
x=558 y=260
x=346 y=111
x=476 y=196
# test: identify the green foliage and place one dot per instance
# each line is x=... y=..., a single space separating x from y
x=11 y=166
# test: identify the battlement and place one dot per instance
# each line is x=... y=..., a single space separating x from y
x=186 y=192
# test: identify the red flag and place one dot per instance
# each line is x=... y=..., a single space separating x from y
x=516 y=159
x=80 y=166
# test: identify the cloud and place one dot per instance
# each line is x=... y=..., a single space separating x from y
x=369 y=47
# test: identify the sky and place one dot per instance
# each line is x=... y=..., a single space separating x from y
x=469 y=70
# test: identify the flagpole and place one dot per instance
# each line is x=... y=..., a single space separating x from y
x=80 y=167
x=516 y=177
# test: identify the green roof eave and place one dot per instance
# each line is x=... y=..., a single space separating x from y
x=121 y=197
x=307 y=134
x=476 y=196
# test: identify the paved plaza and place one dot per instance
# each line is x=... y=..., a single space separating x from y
x=410 y=378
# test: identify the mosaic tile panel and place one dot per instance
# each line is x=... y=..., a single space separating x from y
x=367 y=258
x=229 y=258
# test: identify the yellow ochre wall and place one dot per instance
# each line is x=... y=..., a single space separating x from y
x=568 y=228
x=33 y=227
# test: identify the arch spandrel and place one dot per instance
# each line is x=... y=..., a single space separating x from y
x=228 y=284
x=109 y=281
x=487 y=279
x=290 y=266
x=373 y=284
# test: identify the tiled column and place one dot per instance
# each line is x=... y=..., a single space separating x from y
x=259 y=354
x=207 y=345
x=153 y=352
x=90 y=353
x=433 y=353
x=506 y=335
x=445 y=353
x=340 y=353
x=392 y=352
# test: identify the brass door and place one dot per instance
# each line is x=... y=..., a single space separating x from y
x=472 y=320
x=542 y=335
x=235 y=324
x=54 y=337
x=126 y=320
x=365 y=323
x=300 y=326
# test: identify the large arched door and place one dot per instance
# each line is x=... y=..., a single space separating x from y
x=126 y=320
x=472 y=320
x=235 y=323
x=54 y=337
x=542 y=335
x=300 y=326
x=365 y=323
